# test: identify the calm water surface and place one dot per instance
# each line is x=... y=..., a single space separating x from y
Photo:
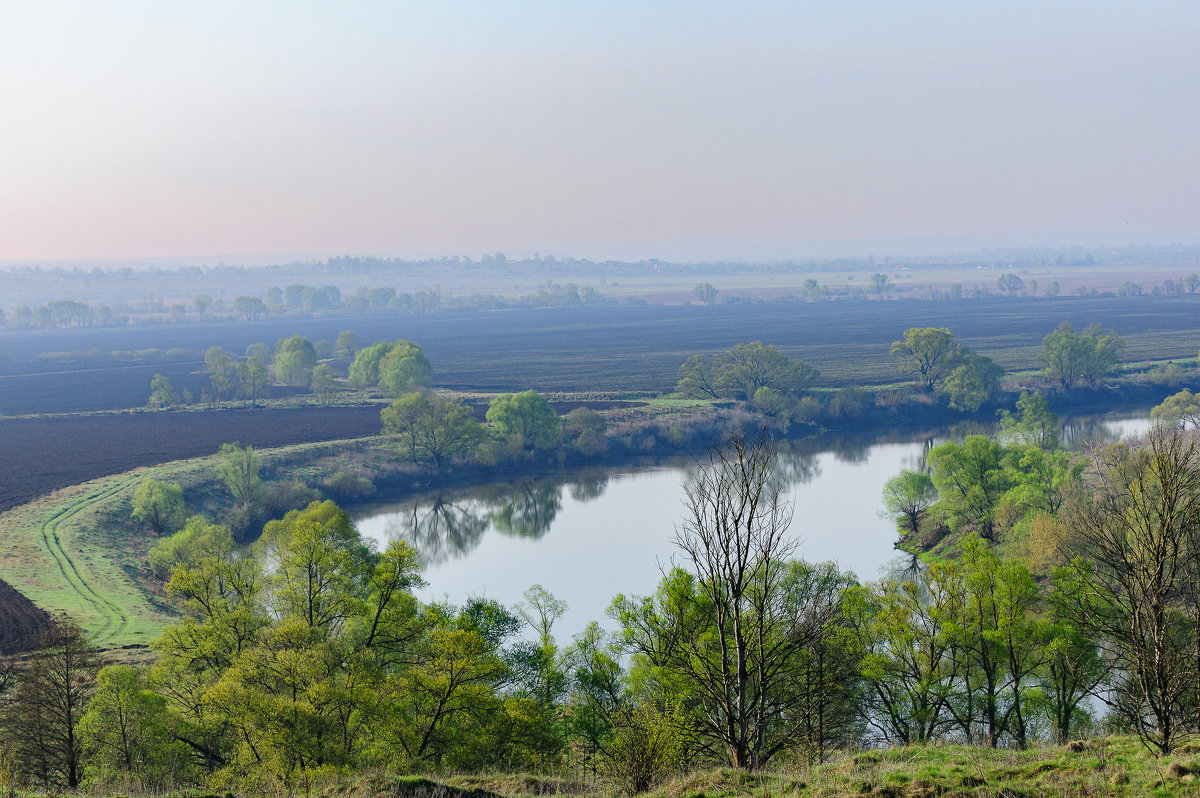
x=594 y=536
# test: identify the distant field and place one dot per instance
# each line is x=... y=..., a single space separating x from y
x=619 y=348
x=43 y=454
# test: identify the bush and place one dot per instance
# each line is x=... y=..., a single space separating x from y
x=346 y=487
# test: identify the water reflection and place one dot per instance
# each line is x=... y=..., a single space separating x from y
x=527 y=509
x=439 y=528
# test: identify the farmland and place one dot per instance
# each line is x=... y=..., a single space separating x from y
x=604 y=348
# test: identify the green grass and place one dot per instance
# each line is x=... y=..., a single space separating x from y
x=1116 y=766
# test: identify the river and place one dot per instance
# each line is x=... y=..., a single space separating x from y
x=591 y=536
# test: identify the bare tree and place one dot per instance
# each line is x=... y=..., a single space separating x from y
x=1136 y=539
x=51 y=698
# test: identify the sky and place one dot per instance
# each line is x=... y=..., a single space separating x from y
x=611 y=129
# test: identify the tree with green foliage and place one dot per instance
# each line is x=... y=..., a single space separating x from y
x=1036 y=424
x=161 y=393
x=404 y=368
x=740 y=371
x=973 y=380
x=907 y=498
x=346 y=344
x=1073 y=359
x=252 y=375
x=970 y=481
x=930 y=352
x=240 y=468
x=725 y=635
x=129 y=736
x=584 y=431
x=323 y=386
x=364 y=370
x=526 y=420
x=158 y=504
x=1073 y=668
x=199 y=538
x=432 y=428
x=221 y=372
x=908 y=636
x=295 y=358
x=1177 y=410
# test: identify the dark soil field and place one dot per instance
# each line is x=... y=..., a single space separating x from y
x=21 y=623
x=598 y=348
x=43 y=454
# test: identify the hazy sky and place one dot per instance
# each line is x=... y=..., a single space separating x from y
x=596 y=129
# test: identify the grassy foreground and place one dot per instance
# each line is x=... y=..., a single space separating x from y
x=1117 y=766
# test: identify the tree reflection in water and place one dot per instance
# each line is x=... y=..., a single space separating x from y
x=525 y=510
x=589 y=487
x=439 y=529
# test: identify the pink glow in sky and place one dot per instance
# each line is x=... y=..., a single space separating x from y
x=598 y=129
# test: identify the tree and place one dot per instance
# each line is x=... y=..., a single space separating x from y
x=199 y=538
x=906 y=629
x=252 y=375
x=1010 y=283
x=324 y=386
x=432 y=427
x=526 y=419
x=1073 y=359
x=1178 y=410
x=1132 y=582
x=1192 y=281
x=744 y=368
x=705 y=293
x=740 y=371
x=971 y=480
x=346 y=344
x=240 y=469
x=221 y=372
x=584 y=430
x=727 y=634
x=404 y=368
x=161 y=392
x=127 y=734
x=908 y=497
x=973 y=381
x=51 y=699
x=928 y=351
x=1037 y=424
x=880 y=283
x=295 y=357
x=159 y=505
x=251 y=308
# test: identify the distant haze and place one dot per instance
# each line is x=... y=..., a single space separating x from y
x=142 y=130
